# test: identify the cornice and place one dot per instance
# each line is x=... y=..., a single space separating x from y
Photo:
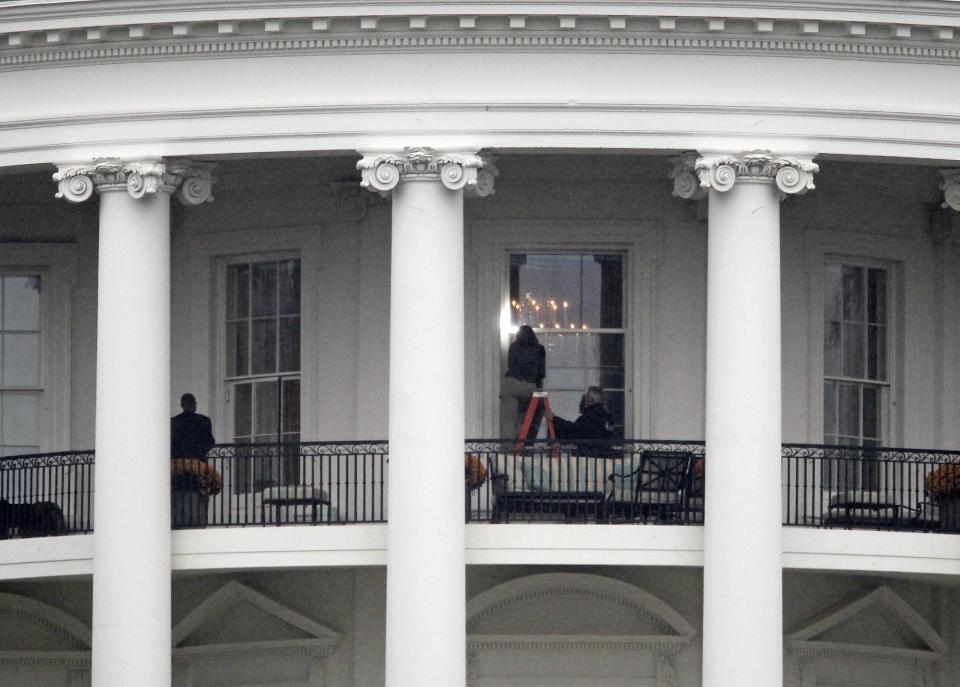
x=64 y=33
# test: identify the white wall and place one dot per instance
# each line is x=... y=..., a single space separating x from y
x=877 y=211
x=352 y=602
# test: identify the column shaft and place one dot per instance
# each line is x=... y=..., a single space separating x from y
x=742 y=624
x=426 y=634
x=131 y=578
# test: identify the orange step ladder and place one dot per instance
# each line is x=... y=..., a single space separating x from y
x=535 y=400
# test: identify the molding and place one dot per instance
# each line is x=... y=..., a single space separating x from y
x=650 y=644
x=474 y=173
x=322 y=640
x=950 y=185
x=802 y=640
x=555 y=584
x=52 y=618
x=192 y=181
x=352 y=203
x=60 y=32
x=722 y=172
x=46 y=659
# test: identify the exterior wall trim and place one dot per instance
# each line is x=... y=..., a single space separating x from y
x=897 y=42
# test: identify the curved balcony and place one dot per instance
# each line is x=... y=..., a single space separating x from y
x=623 y=482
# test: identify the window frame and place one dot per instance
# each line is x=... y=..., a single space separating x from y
x=223 y=382
x=56 y=265
x=888 y=387
x=626 y=311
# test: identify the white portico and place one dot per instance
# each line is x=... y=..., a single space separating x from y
x=343 y=313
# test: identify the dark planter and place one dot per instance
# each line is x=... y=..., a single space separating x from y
x=188 y=509
x=950 y=514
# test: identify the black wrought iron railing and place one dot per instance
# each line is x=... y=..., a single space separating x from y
x=602 y=481
x=633 y=481
x=320 y=483
x=872 y=488
x=46 y=494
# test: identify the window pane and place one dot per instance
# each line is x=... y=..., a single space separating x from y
x=265 y=409
x=238 y=349
x=832 y=293
x=611 y=290
x=876 y=352
x=563 y=350
x=238 y=291
x=21 y=303
x=264 y=356
x=829 y=408
x=289 y=344
x=853 y=339
x=853 y=293
x=290 y=287
x=569 y=378
x=871 y=413
x=264 y=289
x=21 y=419
x=21 y=359
x=877 y=296
x=242 y=411
x=291 y=407
x=832 y=352
x=567 y=291
x=849 y=414
x=18 y=450
x=609 y=349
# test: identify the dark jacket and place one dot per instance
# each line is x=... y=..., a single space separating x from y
x=191 y=435
x=527 y=363
x=591 y=426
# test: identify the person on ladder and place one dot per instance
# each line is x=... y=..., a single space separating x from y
x=526 y=368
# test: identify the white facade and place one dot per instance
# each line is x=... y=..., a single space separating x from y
x=611 y=130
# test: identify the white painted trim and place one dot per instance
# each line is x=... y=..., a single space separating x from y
x=206 y=256
x=907 y=270
x=233 y=593
x=56 y=263
x=75 y=35
x=641 y=242
x=61 y=621
x=554 y=583
x=515 y=544
x=802 y=639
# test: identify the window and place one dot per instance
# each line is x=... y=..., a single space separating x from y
x=575 y=304
x=263 y=365
x=20 y=386
x=856 y=383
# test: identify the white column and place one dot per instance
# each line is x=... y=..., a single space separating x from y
x=426 y=622
x=131 y=559
x=742 y=617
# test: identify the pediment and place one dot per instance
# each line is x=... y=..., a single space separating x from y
x=44 y=634
x=576 y=608
x=878 y=623
x=236 y=617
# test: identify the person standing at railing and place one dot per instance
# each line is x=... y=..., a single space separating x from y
x=526 y=368
x=191 y=434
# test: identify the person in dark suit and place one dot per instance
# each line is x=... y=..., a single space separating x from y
x=191 y=435
x=591 y=430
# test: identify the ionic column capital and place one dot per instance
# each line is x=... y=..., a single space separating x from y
x=950 y=185
x=792 y=176
x=472 y=172
x=686 y=183
x=192 y=182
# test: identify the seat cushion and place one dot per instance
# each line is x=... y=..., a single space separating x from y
x=864 y=498
x=294 y=493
